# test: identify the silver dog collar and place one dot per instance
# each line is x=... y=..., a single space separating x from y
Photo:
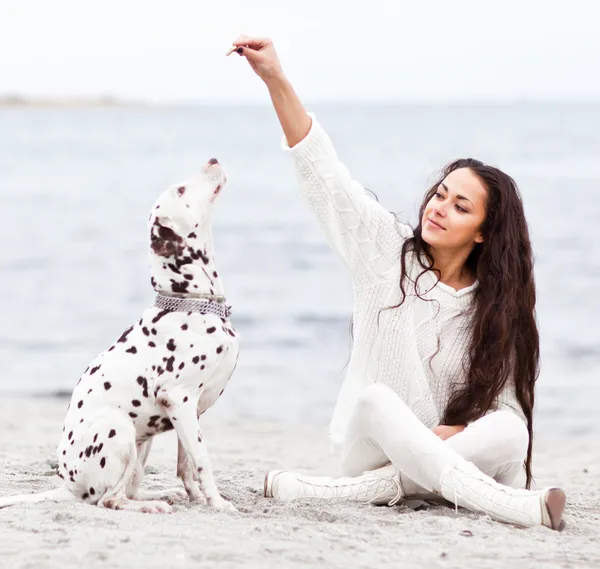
x=208 y=304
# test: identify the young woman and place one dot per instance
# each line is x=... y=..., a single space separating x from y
x=439 y=391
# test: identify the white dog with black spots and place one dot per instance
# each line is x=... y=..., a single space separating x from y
x=161 y=373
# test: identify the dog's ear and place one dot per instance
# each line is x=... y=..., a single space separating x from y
x=164 y=239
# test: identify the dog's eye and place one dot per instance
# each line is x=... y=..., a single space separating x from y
x=180 y=190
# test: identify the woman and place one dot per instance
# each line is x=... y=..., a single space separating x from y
x=440 y=387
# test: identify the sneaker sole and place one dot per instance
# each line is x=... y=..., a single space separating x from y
x=555 y=501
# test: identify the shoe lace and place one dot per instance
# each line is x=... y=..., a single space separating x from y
x=399 y=491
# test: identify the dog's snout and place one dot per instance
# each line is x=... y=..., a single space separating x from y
x=213 y=161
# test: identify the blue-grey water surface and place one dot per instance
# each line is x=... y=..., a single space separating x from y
x=76 y=186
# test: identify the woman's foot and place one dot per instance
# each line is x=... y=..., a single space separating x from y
x=379 y=487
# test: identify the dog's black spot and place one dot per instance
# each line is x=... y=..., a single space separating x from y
x=124 y=335
x=102 y=462
x=135 y=403
x=132 y=414
x=144 y=383
x=181 y=365
x=152 y=282
x=81 y=454
x=202 y=366
x=174 y=268
x=184 y=326
x=170 y=363
x=167 y=425
x=200 y=469
x=146 y=331
x=89 y=391
x=192 y=235
x=158 y=317
x=188 y=277
x=171 y=345
x=84 y=496
x=219 y=349
x=203 y=357
x=95 y=369
x=111 y=348
x=184 y=261
x=210 y=330
x=221 y=392
x=112 y=433
x=185 y=399
x=80 y=405
x=199 y=438
x=153 y=331
x=203 y=256
x=88 y=451
x=180 y=190
x=107 y=385
x=100 y=447
x=195 y=359
x=132 y=350
x=152 y=344
x=70 y=435
x=179 y=287
x=64 y=452
x=95 y=438
x=92 y=491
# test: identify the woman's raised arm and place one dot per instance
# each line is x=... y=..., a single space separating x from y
x=364 y=234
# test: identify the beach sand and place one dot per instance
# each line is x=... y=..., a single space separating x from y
x=266 y=533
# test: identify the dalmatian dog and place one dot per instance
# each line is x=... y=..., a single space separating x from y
x=162 y=372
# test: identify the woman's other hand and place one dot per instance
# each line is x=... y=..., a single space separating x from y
x=261 y=56
x=447 y=431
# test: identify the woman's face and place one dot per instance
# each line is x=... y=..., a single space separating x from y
x=454 y=215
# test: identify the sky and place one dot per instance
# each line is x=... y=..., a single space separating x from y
x=331 y=50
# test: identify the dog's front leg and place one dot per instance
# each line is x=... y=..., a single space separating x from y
x=186 y=473
x=181 y=406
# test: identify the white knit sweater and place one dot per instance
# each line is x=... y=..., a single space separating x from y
x=397 y=351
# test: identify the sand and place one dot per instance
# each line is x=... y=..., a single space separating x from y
x=266 y=533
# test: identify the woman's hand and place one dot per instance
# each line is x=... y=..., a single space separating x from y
x=261 y=56
x=447 y=431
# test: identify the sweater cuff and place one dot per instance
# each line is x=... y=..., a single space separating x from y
x=314 y=145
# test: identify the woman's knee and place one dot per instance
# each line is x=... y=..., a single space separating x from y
x=513 y=436
x=373 y=398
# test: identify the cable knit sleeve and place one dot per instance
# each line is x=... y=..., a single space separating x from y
x=364 y=234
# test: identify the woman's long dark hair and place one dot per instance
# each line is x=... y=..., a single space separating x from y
x=505 y=340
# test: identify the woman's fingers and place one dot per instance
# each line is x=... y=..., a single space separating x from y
x=253 y=43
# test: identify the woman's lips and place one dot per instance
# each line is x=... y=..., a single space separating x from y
x=434 y=224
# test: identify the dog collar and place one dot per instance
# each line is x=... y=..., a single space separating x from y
x=204 y=304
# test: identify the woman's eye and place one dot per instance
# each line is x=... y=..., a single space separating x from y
x=438 y=195
x=462 y=209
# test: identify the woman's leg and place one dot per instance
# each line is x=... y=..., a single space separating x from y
x=496 y=444
x=383 y=422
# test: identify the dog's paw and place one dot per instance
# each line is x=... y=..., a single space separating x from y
x=222 y=505
x=156 y=508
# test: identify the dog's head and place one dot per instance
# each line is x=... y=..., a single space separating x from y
x=183 y=212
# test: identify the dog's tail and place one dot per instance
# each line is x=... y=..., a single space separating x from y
x=62 y=494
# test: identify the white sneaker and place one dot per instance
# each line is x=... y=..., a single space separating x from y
x=379 y=487
x=465 y=485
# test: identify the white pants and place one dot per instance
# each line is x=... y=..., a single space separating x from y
x=383 y=429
